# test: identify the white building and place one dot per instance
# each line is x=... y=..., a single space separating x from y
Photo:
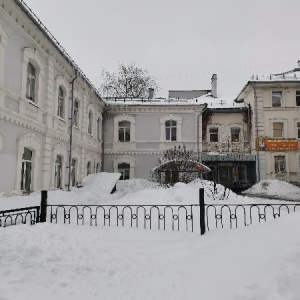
x=39 y=87
x=275 y=101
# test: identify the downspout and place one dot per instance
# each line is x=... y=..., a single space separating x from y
x=198 y=133
x=256 y=133
x=102 y=144
x=71 y=131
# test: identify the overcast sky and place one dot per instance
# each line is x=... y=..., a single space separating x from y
x=180 y=42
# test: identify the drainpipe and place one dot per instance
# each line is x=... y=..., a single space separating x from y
x=256 y=133
x=102 y=144
x=198 y=134
x=71 y=131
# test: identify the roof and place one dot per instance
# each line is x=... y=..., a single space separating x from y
x=212 y=102
x=292 y=76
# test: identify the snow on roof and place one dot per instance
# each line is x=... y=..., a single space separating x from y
x=293 y=75
x=212 y=102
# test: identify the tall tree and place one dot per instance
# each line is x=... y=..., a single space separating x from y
x=130 y=81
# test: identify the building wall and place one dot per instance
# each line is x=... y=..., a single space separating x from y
x=36 y=124
x=259 y=95
x=147 y=134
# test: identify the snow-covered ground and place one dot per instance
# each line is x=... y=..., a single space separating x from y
x=56 y=261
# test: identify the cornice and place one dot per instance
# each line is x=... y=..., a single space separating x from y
x=133 y=152
x=151 y=109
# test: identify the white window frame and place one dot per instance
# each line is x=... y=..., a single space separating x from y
x=3 y=43
x=208 y=133
x=24 y=170
x=297 y=128
x=90 y=122
x=125 y=173
x=31 y=82
x=76 y=113
x=281 y=99
x=120 y=118
x=297 y=95
x=241 y=137
x=170 y=127
x=61 y=82
x=61 y=99
x=28 y=141
x=58 y=172
x=272 y=121
x=178 y=120
x=126 y=160
x=59 y=150
x=31 y=56
x=124 y=130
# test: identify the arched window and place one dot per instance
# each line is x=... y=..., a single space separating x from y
x=90 y=122
x=73 y=171
x=76 y=113
x=58 y=172
x=98 y=168
x=88 y=168
x=124 y=169
x=124 y=131
x=171 y=130
x=26 y=171
x=99 y=129
x=31 y=83
x=60 y=102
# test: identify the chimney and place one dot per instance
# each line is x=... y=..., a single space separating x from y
x=298 y=64
x=214 y=85
x=151 y=93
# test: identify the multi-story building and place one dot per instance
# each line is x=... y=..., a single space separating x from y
x=275 y=101
x=40 y=87
x=51 y=132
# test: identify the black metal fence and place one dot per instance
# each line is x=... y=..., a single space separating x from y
x=26 y=215
x=197 y=218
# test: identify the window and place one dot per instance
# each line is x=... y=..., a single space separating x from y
x=297 y=98
x=73 y=171
x=277 y=129
x=88 y=168
x=60 y=102
x=26 y=170
x=214 y=135
x=124 y=131
x=171 y=130
x=276 y=99
x=99 y=129
x=98 y=168
x=31 y=82
x=58 y=172
x=298 y=130
x=90 y=122
x=235 y=134
x=279 y=164
x=76 y=113
x=124 y=169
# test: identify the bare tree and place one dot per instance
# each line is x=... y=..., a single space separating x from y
x=130 y=81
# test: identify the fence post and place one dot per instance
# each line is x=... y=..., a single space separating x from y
x=43 y=213
x=202 y=211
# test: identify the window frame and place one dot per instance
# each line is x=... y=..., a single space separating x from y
x=209 y=133
x=31 y=82
x=297 y=98
x=278 y=130
x=61 y=102
x=170 y=129
x=125 y=172
x=163 y=136
x=273 y=94
x=278 y=166
x=76 y=114
x=124 y=130
x=90 y=122
x=239 y=134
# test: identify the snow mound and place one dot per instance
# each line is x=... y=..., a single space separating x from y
x=273 y=187
x=126 y=187
x=100 y=183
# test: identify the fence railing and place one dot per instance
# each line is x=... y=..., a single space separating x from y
x=197 y=218
x=26 y=215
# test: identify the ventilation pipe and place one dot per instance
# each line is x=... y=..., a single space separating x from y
x=214 y=85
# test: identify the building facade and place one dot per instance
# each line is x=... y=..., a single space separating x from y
x=44 y=100
x=275 y=139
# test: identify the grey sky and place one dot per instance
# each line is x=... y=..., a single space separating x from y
x=181 y=42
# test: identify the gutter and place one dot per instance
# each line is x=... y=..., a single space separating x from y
x=256 y=133
x=198 y=133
